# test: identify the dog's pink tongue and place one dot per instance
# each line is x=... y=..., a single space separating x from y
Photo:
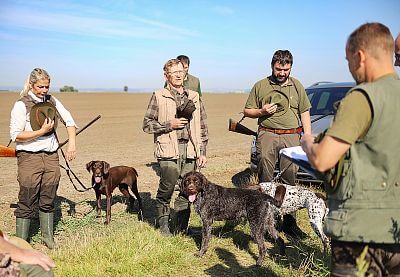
x=97 y=179
x=192 y=197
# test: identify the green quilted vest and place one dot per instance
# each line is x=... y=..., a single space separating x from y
x=365 y=206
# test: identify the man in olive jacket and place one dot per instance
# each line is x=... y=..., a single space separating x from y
x=364 y=201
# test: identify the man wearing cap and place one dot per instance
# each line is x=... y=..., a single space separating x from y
x=280 y=103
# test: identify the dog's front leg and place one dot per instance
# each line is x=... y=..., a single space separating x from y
x=108 y=213
x=98 y=203
x=206 y=235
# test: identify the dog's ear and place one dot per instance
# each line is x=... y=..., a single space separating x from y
x=106 y=167
x=320 y=195
x=280 y=194
x=89 y=165
x=203 y=179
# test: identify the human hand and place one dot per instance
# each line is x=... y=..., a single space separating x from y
x=47 y=126
x=178 y=123
x=71 y=152
x=269 y=109
x=201 y=161
x=306 y=141
x=33 y=257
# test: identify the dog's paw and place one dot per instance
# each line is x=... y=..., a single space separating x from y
x=198 y=254
x=140 y=215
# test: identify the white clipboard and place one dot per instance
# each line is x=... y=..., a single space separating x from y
x=299 y=157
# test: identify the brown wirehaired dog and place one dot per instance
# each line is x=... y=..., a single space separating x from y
x=106 y=179
x=213 y=202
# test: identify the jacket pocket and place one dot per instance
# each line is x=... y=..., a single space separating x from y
x=334 y=223
x=343 y=189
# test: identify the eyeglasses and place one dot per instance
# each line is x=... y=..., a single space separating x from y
x=180 y=72
x=41 y=87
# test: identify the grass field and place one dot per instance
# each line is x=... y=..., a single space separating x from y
x=128 y=247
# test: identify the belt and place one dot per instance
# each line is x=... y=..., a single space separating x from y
x=281 y=131
x=182 y=141
x=36 y=152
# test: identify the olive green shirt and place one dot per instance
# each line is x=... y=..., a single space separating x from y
x=353 y=118
x=261 y=94
x=193 y=83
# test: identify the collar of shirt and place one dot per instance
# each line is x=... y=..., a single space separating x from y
x=174 y=92
x=31 y=94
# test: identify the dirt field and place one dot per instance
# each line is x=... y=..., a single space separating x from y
x=117 y=138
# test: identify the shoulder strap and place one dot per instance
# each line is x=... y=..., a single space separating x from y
x=53 y=101
x=294 y=84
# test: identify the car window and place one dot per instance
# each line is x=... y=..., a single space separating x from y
x=323 y=99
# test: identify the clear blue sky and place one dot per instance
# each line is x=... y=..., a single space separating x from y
x=109 y=44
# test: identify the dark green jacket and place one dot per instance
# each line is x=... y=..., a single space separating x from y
x=365 y=207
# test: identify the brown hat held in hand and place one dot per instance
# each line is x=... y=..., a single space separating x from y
x=281 y=101
x=40 y=112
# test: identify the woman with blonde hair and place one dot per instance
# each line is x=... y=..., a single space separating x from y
x=32 y=127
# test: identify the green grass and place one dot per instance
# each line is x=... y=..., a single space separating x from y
x=128 y=247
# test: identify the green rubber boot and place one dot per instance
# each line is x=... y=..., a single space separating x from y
x=182 y=215
x=163 y=220
x=46 y=227
x=22 y=227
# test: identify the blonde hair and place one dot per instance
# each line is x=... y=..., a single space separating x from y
x=36 y=75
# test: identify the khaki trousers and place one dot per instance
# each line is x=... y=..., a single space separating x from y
x=38 y=178
x=268 y=146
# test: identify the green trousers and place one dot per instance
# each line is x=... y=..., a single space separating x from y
x=170 y=171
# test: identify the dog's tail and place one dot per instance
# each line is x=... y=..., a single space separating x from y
x=279 y=195
x=134 y=170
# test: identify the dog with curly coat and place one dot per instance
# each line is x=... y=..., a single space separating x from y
x=297 y=198
x=213 y=202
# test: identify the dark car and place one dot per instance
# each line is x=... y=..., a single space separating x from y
x=324 y=97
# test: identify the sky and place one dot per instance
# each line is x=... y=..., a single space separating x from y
x=112 y=44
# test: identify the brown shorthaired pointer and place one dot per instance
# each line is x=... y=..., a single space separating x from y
x=106 y=179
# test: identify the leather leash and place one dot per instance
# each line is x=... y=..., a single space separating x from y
x=68 y=169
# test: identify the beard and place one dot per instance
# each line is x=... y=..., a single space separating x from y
x=280 y=79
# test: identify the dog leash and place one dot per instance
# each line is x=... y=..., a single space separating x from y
x=68 y=170
x=280 y=173
x=196 y=167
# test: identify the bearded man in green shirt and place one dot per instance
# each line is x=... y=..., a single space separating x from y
x=280 y=103
x=362 y=144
